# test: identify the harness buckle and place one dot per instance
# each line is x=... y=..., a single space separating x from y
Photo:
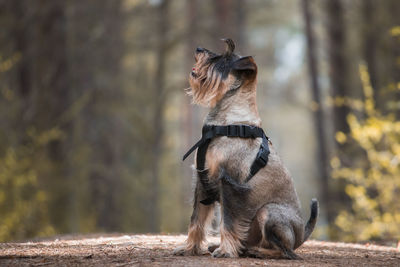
x=252 y=133
x=242 y=131
x=232 y=131
x=207 y=128
x=263 y=157
x=263 y=154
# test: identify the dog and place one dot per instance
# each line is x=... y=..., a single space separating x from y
x=260 y=216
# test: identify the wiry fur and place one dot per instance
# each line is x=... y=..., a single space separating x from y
x=260 y=218
x=207 y=88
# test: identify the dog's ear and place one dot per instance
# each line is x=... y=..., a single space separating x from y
x=230 y=46
x=246 y=66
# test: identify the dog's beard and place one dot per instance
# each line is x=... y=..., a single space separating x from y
x=206 y=85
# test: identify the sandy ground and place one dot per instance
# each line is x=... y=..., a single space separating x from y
x=156 y=250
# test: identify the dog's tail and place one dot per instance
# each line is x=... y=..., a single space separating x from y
x=313 y=219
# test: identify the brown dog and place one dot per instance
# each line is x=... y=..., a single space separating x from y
x=260 y=216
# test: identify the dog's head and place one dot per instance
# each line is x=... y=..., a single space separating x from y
x=214 y=75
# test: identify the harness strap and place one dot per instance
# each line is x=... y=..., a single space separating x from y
x=211 y=131
x=261 y=158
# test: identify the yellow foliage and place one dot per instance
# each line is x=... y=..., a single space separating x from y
x=7 y=64
x=341 y=137
x=23 y=205
x=340 y=101
x=395 y=31
x=335 y=162
x=374 y=187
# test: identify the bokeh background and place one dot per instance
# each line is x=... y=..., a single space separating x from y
x=94 y=119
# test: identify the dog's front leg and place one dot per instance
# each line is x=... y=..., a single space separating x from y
x=236 y=216
x=198 y=221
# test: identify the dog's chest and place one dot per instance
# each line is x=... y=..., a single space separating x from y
x=235 y=155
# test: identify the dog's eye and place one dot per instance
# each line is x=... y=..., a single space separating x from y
x=215 y=57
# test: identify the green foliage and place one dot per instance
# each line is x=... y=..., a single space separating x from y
x=373 y=185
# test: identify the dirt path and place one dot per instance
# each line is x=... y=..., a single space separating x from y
x=156 y=250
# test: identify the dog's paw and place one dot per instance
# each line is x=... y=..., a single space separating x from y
x=252 y=253
x=212 y=247
x=291 y=256
x=180 y=251
x=190 y=251
x=219 y=253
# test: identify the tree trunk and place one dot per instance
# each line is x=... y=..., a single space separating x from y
x=191 y=112
x=340 y=89
x=240 y=25
x=20 y=33
x=370 y=44
x=158 y=120
x=322 y=153
x=337 y=62
x=230 y=22
x=224 y=29
x=394 y=54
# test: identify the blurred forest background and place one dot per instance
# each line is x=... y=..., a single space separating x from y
x=94 y=119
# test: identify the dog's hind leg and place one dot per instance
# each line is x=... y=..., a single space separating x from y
x=281 y=237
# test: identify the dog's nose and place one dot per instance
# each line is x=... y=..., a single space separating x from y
x=199 y=50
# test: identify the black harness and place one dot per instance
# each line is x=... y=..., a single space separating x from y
x=211 y=131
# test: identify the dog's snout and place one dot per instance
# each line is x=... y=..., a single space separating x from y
x=199 y=50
